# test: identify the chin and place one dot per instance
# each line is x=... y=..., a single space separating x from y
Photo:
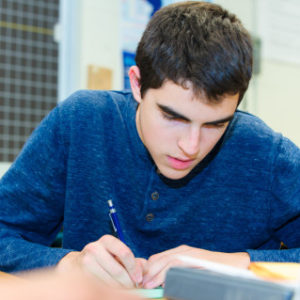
x=175 y=174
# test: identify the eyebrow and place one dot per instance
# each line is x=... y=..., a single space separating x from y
x=172 y=112
x=177 y=115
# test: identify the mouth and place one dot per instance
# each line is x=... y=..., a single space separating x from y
x=179 y=163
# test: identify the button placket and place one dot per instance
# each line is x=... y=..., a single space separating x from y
x=152 y=196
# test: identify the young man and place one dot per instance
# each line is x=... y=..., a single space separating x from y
x=188 y=174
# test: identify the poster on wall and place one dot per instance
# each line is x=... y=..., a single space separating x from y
x=135 y=16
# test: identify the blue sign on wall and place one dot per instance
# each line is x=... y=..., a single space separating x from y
x=132 y=35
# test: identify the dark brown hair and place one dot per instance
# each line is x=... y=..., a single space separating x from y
x=196 y=42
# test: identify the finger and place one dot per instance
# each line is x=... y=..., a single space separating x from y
x=142 y=263
x=167 y=255
x=92 y=266
x=178 y=250
x=124 y=255
x=153 y=268
x=112 y=267
x=160 y=277
x=156 y=267
x=96 y=254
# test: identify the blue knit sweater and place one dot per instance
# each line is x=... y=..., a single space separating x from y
x=244 y=196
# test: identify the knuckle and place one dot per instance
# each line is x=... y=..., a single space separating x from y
x=90 y=248
x=86 y=260
x=153 y=258
x=183 y=247
x=125 y=254
x=105 y=238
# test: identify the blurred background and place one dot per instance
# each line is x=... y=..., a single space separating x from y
x=51 y=48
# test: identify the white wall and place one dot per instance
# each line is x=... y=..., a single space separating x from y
x=4 y=167
x=279 y=97
x=89 y=34
x=274 y=94
x=100 y=38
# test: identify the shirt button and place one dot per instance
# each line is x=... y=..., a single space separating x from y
x=149 y=217
x=155 y=196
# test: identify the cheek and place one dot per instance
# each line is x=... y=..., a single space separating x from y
x=152 y=131
x=210 y=137
x=158 y=129
x=162 y=135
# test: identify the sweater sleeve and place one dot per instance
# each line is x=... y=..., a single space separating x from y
x=284 y=205
x=32 y=200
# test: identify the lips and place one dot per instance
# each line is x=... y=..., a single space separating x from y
x=179 y=164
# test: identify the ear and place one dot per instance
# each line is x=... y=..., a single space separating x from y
x=134 y=78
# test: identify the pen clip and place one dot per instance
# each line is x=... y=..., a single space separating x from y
x=113 y=223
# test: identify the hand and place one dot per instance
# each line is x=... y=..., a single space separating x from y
x=109 y=259
x=158 y=264
x=47 y=284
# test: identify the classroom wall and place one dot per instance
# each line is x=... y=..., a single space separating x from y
x=279 y=98
x=100 y=38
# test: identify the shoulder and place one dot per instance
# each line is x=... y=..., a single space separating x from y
x=88 y=106
x=255 y=152
x=94 y=99
x=251 y=140
x=247 y=123
x=252 y=128
x=250 y=137
x=250 y=131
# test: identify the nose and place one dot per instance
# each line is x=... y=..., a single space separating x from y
x=189 y=142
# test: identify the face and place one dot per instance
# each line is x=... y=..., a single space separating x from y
x=178 y=129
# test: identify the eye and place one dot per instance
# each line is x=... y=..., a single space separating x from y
x=168 y=117
x=220 y=125
x=173 y=118
x=217 y=125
